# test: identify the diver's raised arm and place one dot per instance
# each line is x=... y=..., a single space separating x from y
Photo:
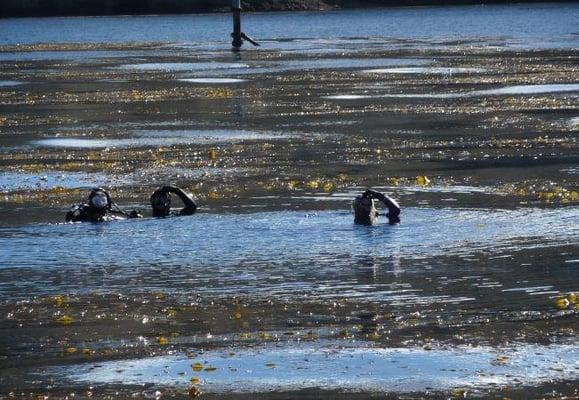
x=392 y=205
x=393 y=210
x=187 y=199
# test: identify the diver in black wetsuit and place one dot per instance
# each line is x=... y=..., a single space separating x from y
x=100 y=208
x=161 y=202
x=366 y=214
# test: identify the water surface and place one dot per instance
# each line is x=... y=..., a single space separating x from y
x=10 y=83
x=425 y=70
x=342 y=366
x=521 y=90
x=213 y=80
x=486 y=255
x=532 y=25
x=292 y=254
x=157 y=138
x=21 y=180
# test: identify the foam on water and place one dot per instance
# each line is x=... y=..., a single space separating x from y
x=336 y=366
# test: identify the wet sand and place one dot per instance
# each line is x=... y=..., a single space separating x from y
x=479 y=141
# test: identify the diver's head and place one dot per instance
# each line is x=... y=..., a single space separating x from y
x=99 y=200
x=364 y=211
x=161 y=203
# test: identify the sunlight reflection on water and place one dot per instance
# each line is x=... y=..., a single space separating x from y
x=293 y=367
x=321 y=251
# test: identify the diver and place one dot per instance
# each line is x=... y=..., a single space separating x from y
x=161 y=202
x=100 y=208
x=365 y=212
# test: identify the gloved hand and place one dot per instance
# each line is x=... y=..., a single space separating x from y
x=135 y=214
x=372 y=194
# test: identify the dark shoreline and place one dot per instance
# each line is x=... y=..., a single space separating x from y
x=61 y=8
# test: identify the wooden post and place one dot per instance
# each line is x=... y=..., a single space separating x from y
x=236 y=35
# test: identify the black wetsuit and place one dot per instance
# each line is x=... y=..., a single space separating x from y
x=392 y=205
x=165 y=211
x=88 y=213
x=393 y=209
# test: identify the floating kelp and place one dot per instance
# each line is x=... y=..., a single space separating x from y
x=548 y=192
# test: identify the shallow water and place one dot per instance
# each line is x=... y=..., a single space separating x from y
x=12 y=181
x=157 y=138
x=269 y=66
x=486 y=253
x=340 y=366
x=532 y=25
x=20 y=180
x=530 y=89
x=78 y=56
x=522 y=90
x=213 y=80
x=291 y=254
x=10 y=83
x=180 y=67
x=425 y=70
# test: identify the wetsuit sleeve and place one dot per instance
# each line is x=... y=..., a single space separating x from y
x=392 y=205
x=190 y=205
x=77 y=214
x=393 y=208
